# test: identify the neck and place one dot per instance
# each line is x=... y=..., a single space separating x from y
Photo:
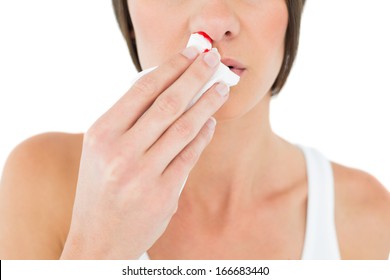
x=239 y=164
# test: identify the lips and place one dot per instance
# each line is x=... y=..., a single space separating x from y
x=235 y=66
x=237 y=71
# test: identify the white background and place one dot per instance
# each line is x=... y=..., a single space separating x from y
x=63 y=63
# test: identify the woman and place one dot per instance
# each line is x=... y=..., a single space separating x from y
x=114 y=193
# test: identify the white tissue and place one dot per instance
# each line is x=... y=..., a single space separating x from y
x=223 y=74
x=200 y=42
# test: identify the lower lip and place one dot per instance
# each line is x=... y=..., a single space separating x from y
x=238 y=71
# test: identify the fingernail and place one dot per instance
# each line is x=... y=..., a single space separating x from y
x=190 y=52
x=222 y=89
x=212 y=59
x=211 y=123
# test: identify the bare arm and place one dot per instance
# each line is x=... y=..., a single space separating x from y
x=35 y=203
x=362 y=215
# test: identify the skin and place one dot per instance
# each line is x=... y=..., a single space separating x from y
x=113 y=193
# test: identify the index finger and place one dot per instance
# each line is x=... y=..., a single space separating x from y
x=130 y=107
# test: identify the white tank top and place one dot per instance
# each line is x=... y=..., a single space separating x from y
x=320 y=234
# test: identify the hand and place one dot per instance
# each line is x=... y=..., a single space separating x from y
x=136 y=157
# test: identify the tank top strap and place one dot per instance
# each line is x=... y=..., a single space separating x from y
x=320 y=237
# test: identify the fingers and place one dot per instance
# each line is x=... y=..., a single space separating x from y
x=181 y=165
x=128 y=109
x=187 y=127
x=171 y=104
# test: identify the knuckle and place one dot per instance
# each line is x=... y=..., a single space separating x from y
x=183 y=128
x=214 y=99
x=168 y=105
x=120 y=168
x=189 y=155
x=174 y=64
x=91 y=133
x=199 y=74
x=96 y=135
x=205 y=133
x=114 y=168
x=145 y=86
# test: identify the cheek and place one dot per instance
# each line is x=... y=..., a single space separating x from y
x=269 y=48
x=143 y=20
x=274 y=30
x=152 y=31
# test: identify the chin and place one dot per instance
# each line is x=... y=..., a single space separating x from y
x=241 y=103
x=232 y=110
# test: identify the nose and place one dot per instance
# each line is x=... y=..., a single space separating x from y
x=215 y=17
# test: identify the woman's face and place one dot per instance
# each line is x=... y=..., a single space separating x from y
x=249 y=31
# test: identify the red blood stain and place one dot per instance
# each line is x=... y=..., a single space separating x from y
x=204 y=34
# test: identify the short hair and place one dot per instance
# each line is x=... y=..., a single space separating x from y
x=291 y=42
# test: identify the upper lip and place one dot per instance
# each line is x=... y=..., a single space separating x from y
x=230 y=62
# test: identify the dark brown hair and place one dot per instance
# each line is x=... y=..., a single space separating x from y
x=295 y=8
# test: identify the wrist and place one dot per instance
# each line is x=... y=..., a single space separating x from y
x=79 y=248
x=73 y=249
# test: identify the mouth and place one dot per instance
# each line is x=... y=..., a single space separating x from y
x=234 y=66
x=238 y=71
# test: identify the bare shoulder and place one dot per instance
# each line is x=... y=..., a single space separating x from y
x=362 y=207
x=37 y=190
